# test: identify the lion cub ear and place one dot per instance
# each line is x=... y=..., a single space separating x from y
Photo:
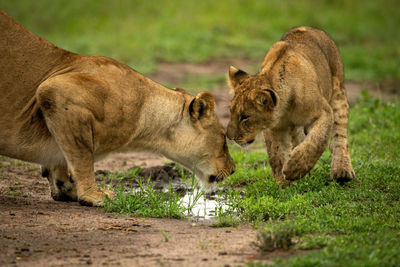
x=236 y=76
x=265 y=100
x=202 y=106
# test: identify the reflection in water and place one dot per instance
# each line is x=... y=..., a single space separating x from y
x=205 y=207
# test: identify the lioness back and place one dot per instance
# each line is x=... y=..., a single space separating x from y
x=318 y=46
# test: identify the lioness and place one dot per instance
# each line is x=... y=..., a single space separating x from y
x=64 y=111
x=298 y=101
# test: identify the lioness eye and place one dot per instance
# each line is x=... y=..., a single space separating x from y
x=243 y=117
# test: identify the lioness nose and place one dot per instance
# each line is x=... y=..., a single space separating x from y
x=212 y=178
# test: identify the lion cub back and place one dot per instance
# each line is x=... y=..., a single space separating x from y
x=318 y=46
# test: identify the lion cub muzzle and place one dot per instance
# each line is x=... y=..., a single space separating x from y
x=240 y=139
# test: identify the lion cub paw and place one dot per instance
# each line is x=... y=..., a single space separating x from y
x=342 y=172
x=294 y=168
x=95 y=197
x=282 y=182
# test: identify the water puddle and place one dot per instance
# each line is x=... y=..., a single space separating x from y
x=205 y=208
x=200 y=207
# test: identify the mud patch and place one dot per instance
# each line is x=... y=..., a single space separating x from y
x=175 y=73
x=38 y=231
x=160 y=176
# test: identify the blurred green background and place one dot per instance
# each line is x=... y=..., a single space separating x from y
x=143 y=33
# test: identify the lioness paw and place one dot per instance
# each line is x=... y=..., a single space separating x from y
x=95 y=197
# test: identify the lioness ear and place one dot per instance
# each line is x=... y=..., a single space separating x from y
x=202 y=106
x=236 y=76
x=264 y=99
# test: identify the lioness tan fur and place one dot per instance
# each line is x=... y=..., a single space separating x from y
x=298 y=101
x=64 y=111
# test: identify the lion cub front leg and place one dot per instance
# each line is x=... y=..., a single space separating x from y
x=304 y=156
x=278 y=146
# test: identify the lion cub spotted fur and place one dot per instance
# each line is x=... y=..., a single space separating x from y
x=298 y=101
x=65 y=111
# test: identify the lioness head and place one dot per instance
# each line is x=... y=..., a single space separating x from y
x=201 y=140
x=252 y=107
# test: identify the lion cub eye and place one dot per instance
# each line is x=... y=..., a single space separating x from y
x=243 y=117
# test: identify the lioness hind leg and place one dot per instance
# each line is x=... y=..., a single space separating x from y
x=278 y=148
x=62 y=187
x=341 y=169
x=70 y=123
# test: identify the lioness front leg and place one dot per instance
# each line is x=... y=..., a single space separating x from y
x=77 y=148
x=341 y=169
x=304 y=156
x=278 y=148
x=72 y=127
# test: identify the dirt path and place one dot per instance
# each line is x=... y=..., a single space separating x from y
x=46 y=233
x=37 y=231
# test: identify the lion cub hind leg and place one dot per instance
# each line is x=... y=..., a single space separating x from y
x=341 y=169
x=304 y=156
x=278 y=148
x=72 y=129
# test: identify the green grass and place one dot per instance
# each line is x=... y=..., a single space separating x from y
x=147 y=202
x=143 y=33
x=357 y=224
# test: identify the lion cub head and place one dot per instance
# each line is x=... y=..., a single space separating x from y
x=200 y=141
x=253 y=107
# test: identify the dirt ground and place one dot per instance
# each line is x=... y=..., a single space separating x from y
x=37 y=231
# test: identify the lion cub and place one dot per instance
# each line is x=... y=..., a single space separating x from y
x=298 y=101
